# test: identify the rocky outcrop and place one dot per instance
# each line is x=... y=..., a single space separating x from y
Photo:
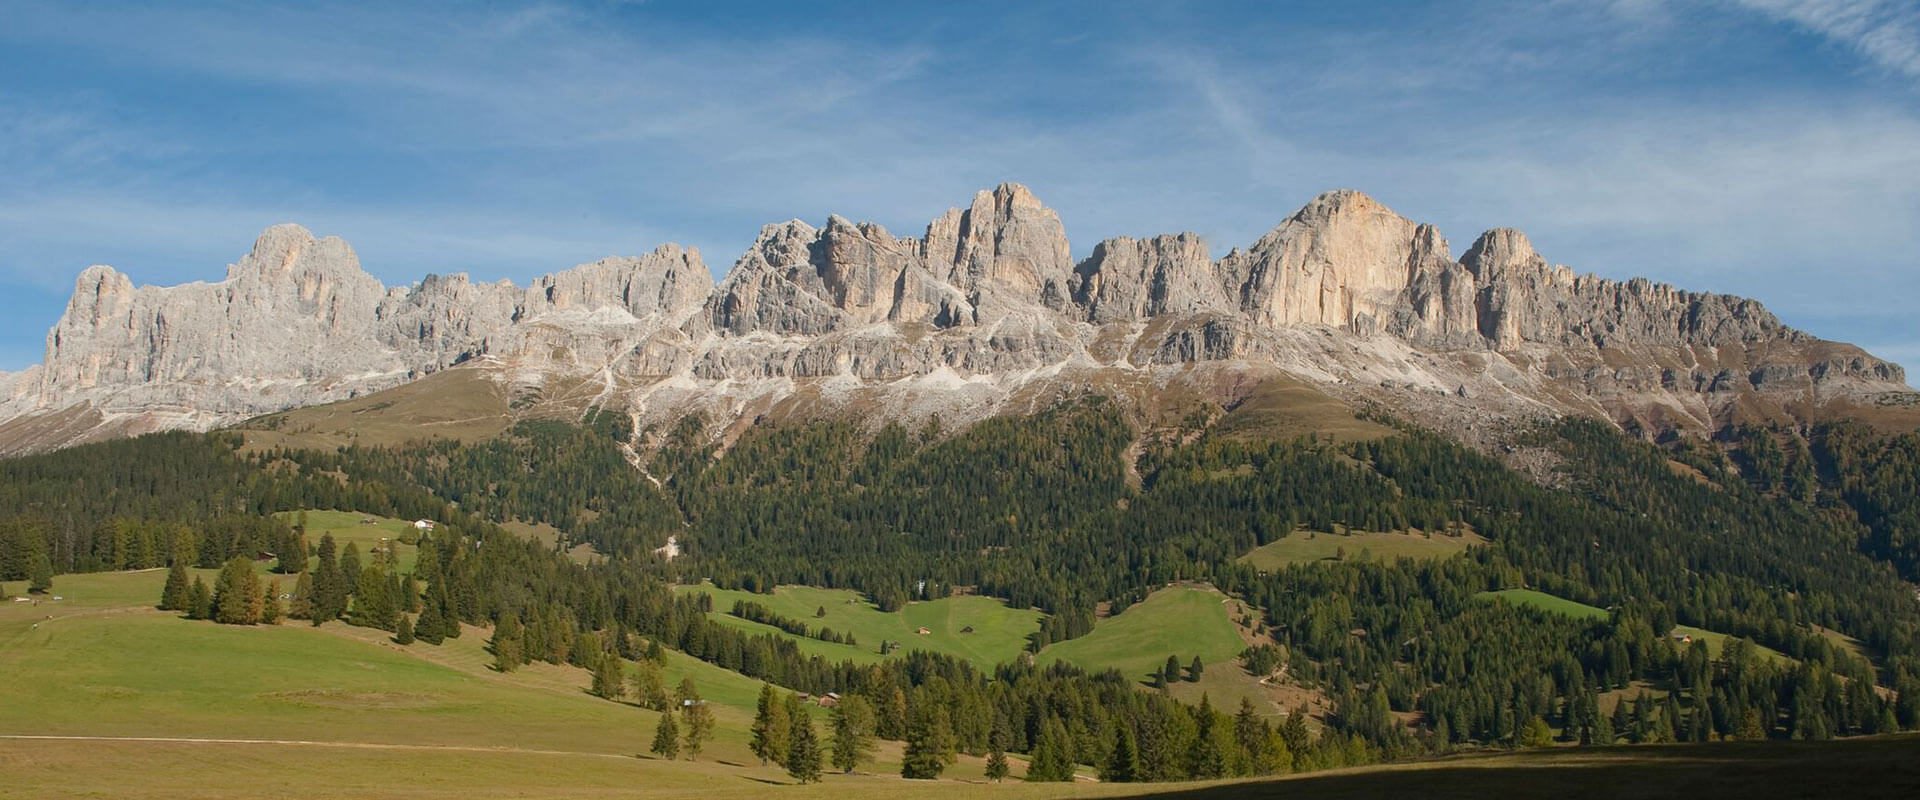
x=982 y=308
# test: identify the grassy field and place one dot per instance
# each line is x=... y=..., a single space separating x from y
x=1304 y=547
x=1183 y=621
x=1545 y=602
x=999 y=633
x=102 y=663
x=341 y=712
x=346 y=526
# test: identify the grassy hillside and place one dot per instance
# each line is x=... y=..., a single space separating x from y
x=1307 y=546
x=1183 y=621
x=998 y=633
x=347 y=526
x=1545 y=602
x=102 y=663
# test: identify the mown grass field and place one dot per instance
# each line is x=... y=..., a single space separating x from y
x=1182 y=621
x=998 y=633
x=1305 y=547
x=1541 y=600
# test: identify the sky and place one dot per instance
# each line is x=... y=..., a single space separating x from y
x=1768 y=148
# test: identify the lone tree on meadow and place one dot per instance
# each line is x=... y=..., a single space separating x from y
x=666 y=737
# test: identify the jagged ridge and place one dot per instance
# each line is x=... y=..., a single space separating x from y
x=1344 y=293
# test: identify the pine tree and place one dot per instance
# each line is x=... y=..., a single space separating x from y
x=1052 y=754
x=199 y=600
x=771 y=727
x=373 y=603
x=270 y=612
x=236 y=593
x=1123 y=765
x=666 y=737
x=431 y=628
x=699 y=718
x=174 y=596
x=1171 y=672
x=1194 y=669
x=609 y=681
x=410 y=595
x=649 y=686
x=329 y=596
x=803 y=745
x=301 y=607
x=997 y=764
x=40 y=573
x=853 y=725
x=350 y=573
x=926 y=744
x=405 y=634
x=507 y=644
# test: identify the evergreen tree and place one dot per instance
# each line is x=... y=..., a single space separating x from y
x=666 y=737
x=301 y=606
x=40 y=573
x=410 y=595
x=292 y=554
x=431 y=628
x=1194 y=669
x=373 y=604
x=771 y=727
x=853 y=732
x=236 y=594
x=1123 y=764
x=609 y=681
x=405 y=634
x=996 y=765
x=927 y=738
x=174 y=596
x=329 y=593
x=803 y=746
x=1170 y=673
x=649 y=685
x=1052 y=754
x=351 y=572
x=270 y=612
x=199 y=600
x=699 y=718
x=507 y=644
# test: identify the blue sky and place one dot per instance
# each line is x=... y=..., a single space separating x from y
x=1762 y=147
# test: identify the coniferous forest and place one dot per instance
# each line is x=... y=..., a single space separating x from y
x=1774 y=537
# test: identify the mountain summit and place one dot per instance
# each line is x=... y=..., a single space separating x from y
x=986 y=312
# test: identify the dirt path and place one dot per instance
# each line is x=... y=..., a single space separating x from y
x=310 y=743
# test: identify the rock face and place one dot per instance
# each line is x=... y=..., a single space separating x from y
x=984 y=307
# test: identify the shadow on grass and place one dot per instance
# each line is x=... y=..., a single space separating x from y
x=1852 y=769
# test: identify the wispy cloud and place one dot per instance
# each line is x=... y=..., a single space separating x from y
x=1886 y=32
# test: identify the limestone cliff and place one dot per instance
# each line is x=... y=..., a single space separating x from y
x=985 y=308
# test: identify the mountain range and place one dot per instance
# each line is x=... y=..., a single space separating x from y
x=986 y=312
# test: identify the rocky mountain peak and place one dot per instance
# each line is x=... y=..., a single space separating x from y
x=987 y=306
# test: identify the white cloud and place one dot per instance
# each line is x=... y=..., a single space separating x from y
x=1886 y=32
